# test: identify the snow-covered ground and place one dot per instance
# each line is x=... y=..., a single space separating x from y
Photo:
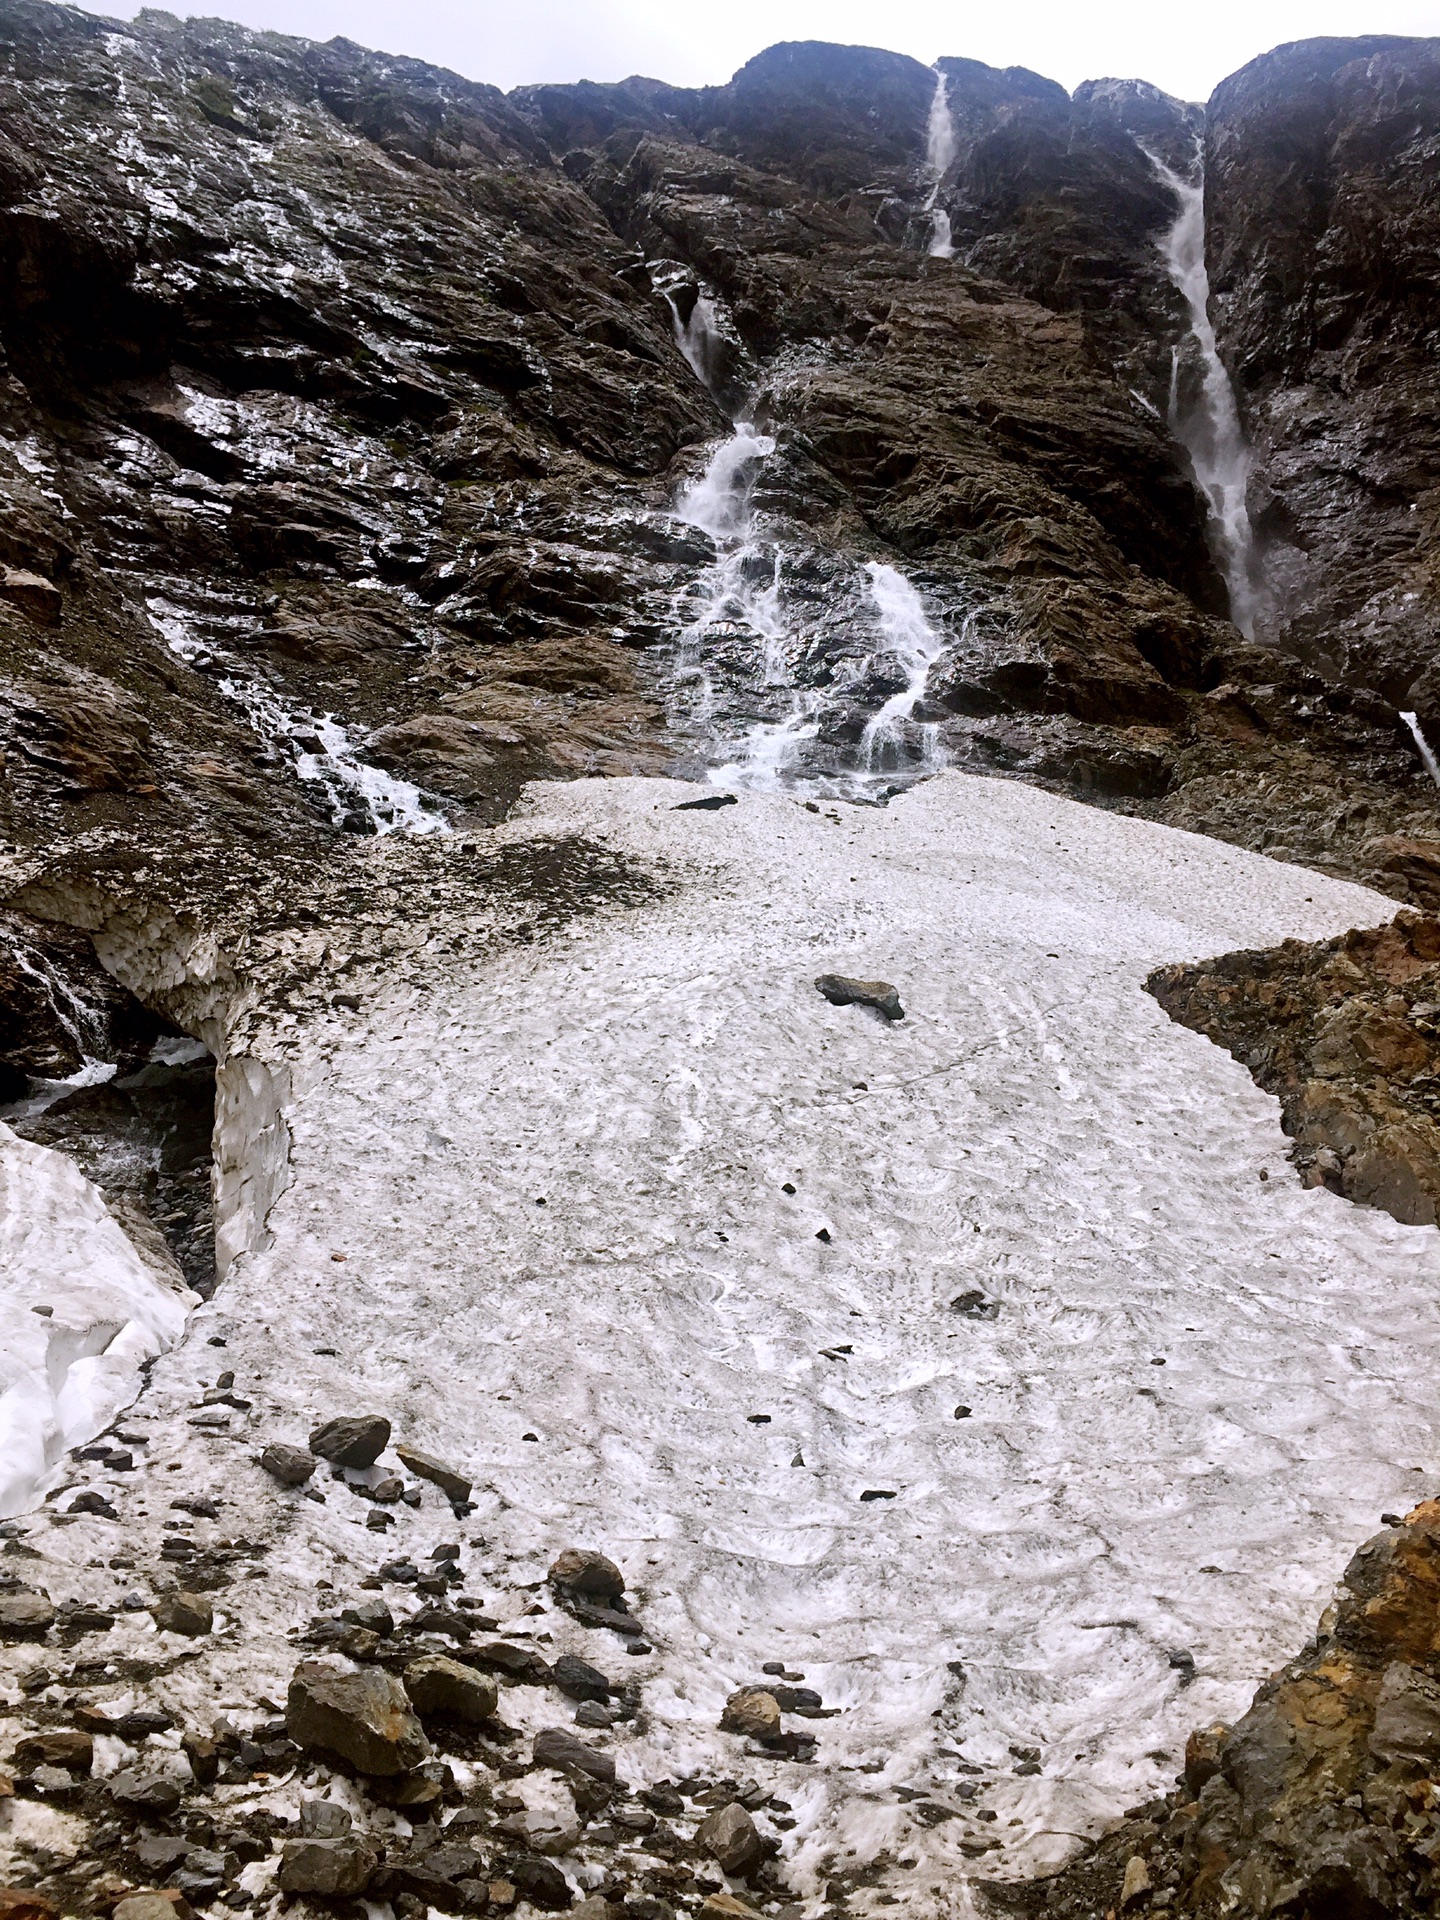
x=559 y=1178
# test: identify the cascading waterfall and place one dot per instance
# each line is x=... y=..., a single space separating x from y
x=742 y=598
x=939 y=152
x=909 y=636
x=1427 y=752
x=1210 y=431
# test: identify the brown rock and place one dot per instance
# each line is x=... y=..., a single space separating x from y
x=291 y=1466
x=356 y=1441
x=841 y=991
x=167 y=1905
x=1202 y=1755
x=731 y=1839
x=724 y=1906
x=73 y=1751
x=364 y=1717
x=188 y=1613
x=753 y=1713
x=426 y=1467
x=26 y=1903
x=446 y=1688
x=25 y=1616
x=1137 y=1882
x=586 y=1575
x=36 y=597
x=328 y=1867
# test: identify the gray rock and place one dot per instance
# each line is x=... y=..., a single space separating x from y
x=590 y=1713
x=841 y=991
x=354 y=1441
x=579 y=1679
x=731 y=1839
x=291 y=1466
x=144 y=1791
x=364 y=1717
x=541 y=1883
x=557 y=1747
x=330 y=1867
x=1407 y=1717
x=373 y=1614
x=25 y=1616
x=426 y=1467
x=439 y=1685
x=188 y=1613
x=324 y=1820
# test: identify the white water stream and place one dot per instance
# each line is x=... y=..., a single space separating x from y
x=1427 y=752
x=744 y=647
x=939 y=152
x=1210 y=431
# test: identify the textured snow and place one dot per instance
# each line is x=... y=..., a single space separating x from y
x=557 y=1177
x=65 y=1376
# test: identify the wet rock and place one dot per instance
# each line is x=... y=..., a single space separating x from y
x=291 y=1466
x=579 y=1679
x=352 y=1441
x=25 y=1615
x=326 y=1866
x=426 y=1467
x=731 y=1839
x=753 y=1713
x=73 y=1751
x=708 y=803
x=187 y=1613
x=444 y=1688
x=141 y=1790
x=363 y=1717
x=841 y=991
x=557 y=1747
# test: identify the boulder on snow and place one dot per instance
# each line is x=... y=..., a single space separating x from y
x=426 y=1467
x=189 y=1613
x=841 y=991
x=62 y=1748
x=579 y=1679
x=439 y=1685
x=752 y=1712
x=25 y=1615
x=291 y=1466
x=364 y=1717
x=356 y=1440
x=580 y=1573
x=142 y=1790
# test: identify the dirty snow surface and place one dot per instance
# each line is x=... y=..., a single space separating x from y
x=573 y=1266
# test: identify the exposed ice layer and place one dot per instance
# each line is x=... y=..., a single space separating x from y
x=65 y=1375
x=558 y=1177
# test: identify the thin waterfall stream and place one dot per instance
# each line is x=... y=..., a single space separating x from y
x=1208 y=425
x=939 y=152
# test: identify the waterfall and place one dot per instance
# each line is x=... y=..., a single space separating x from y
x=1427 y=752
x=909 y=636
x=1211 y=432
x=939 y=152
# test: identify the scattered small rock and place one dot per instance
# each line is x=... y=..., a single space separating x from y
x=144 y=1791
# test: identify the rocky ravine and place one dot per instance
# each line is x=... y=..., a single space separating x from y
x=349 y=406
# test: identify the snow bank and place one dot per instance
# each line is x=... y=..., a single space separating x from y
x=558 y=1176
x=65 y=1375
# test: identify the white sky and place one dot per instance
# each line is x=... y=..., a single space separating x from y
x=1185 y=49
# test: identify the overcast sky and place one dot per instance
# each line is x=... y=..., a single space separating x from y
x=1185 y=49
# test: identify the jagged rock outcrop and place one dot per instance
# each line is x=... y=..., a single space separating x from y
x=1323 y=213
x=1347 y=1033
